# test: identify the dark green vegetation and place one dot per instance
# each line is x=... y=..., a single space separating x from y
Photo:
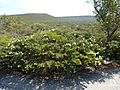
x=108 y=16
x=53 y=47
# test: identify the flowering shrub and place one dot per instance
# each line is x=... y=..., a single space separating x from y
x=52 y=51
x=4 y=40
x=39 y=27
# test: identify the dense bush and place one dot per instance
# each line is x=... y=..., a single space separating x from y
x=39 y=27
x=36 y=27
x=4 y=40
x=114 y=49
x=44 y=49
x=52 y=51
x=13 y=26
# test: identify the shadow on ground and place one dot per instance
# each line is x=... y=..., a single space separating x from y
x=17 y=81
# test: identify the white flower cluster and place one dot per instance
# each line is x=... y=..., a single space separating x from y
x=68 y=44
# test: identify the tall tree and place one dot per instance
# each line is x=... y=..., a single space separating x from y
x=108 y=15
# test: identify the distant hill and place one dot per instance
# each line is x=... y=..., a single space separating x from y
x=45 y=18
x=79 y=18
x=35 y=17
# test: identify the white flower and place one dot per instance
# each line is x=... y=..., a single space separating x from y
x=8 y=44
x=10 y=52
x=31 y=36
x=68 y=44
x=91 y=45
x=16 y=53
x=74 y=43
x=53 y=30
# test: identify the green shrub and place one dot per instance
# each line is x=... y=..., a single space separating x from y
x=52 y=51
x=113 y=53
x=89 y=49
x=115 y=47
x=39 y=27
x=114 y=50
x=4 y=40
x=12 y=25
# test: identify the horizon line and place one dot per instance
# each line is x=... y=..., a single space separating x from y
x=44 y=13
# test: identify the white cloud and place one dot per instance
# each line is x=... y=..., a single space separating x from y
x=53 y=7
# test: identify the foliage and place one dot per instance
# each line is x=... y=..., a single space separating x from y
x=45 y=49
x=12 y=25
x=108 y=14
x=52 y=51
x=4 y=40
x=114 y=51
x=39 y=27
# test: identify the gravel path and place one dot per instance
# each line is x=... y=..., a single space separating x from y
x=106 y=80
x=109 y=83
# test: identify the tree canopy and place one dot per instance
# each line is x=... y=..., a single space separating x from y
x=108 y=15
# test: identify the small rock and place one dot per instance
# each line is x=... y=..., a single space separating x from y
x=90 y=68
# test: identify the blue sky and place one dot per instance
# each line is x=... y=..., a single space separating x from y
x=52 y=7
